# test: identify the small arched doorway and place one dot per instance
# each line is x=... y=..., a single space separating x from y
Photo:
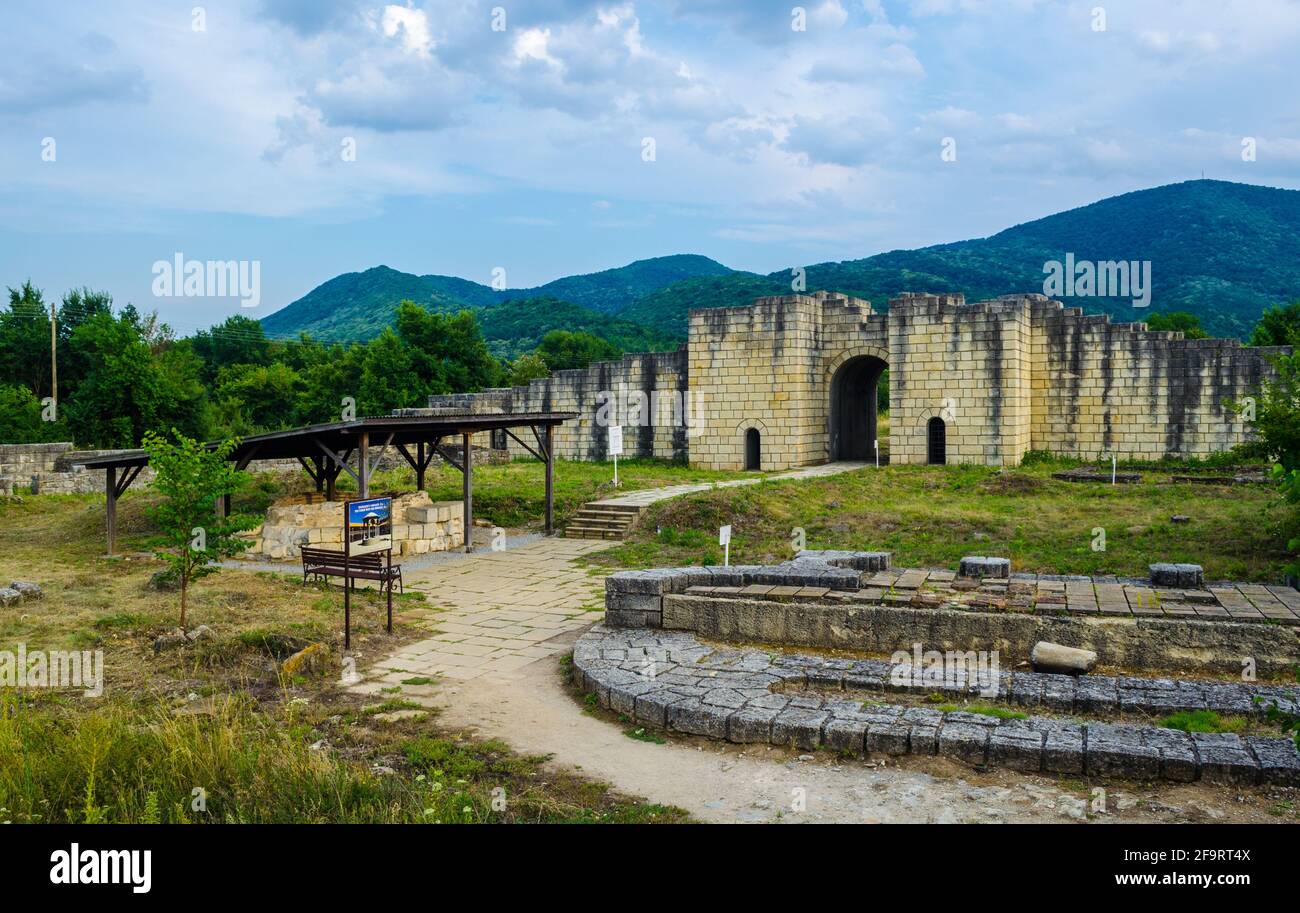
x=853 y=413
x=753 y=449
x=936 y=442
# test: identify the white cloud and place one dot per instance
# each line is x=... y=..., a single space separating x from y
x=840 y=141
x=533 y=44
x=894 y=59
x=1164 y=42
x=411 y=26
x=752 y=121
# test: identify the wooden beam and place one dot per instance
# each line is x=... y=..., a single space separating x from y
x=313 y=473
x=450 y=459
x=339 y=461
x=467 y=489
x=363 y=464
x=519 y=441
x=411 y=461
x=242 y=462
x=110 y=506
x=379 y=456
x=550 y=480
x=223 y=502
x=127 y=478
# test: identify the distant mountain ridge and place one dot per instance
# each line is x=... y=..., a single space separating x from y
x=1220 y=250
x=360 y=305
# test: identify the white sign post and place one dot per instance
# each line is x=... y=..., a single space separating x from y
x=615 y=447
x=724 y=539
x=876 y=444
x=1113 y=466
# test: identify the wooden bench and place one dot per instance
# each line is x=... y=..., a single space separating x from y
x=328 y=562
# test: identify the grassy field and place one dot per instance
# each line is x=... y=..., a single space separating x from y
x=513 y=495
x=927 y=516
x=932 y=516
x=220 y=715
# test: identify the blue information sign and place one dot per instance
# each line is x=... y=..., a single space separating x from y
x=369 y=525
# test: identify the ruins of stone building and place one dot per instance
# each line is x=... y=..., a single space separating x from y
x=791 y=381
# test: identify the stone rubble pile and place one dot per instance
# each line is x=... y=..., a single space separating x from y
x=19 y=591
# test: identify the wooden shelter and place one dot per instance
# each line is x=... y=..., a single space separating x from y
x=327 y=451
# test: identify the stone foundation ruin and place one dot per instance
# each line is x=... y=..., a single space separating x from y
x=672 y=654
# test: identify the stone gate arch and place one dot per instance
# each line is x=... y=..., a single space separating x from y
x=852 y=378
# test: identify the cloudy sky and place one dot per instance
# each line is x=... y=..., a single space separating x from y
x=562 y=136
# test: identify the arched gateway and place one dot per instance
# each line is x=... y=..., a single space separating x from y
x=853 y=418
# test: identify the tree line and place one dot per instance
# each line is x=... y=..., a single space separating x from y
x=123 y=374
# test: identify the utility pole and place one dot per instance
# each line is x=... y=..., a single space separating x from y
x=54 y=360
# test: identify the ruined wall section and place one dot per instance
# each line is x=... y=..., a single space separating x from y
x=1101 y=388
x=646 y=392
x=966 y=364
x=759 y=366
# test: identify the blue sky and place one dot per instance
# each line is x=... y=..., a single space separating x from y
x=219 y=130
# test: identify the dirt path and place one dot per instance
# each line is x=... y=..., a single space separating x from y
x=534 y=712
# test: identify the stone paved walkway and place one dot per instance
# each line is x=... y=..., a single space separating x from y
x=496 y=612
x=647 y=496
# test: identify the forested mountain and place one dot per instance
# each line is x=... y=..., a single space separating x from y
x=1222 y=251
x=357 y=306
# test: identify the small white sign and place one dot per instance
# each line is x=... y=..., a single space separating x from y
x=724 y=535
x=615 y=440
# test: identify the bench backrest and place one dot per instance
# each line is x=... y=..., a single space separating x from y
x=334 y=558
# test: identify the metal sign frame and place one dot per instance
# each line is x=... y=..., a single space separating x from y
x=372 y=545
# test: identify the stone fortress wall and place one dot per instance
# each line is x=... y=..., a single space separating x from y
x=645 y=389
x=991 y=379
x=56 y=468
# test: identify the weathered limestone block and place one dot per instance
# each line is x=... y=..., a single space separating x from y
x=1050 y=657
x=1182 y=576
x=288 y=527
x=978 y=566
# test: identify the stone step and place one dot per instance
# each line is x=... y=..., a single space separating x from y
x=583 y=522
x=596 y=519
x=618 y=510
x=586 y=532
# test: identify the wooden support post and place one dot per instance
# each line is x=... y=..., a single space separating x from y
x=319 y=477
x=110 y=506
x=363 y=466
x=550 y=479
x=467 y=488
x=332 y=475
x=419 y=466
